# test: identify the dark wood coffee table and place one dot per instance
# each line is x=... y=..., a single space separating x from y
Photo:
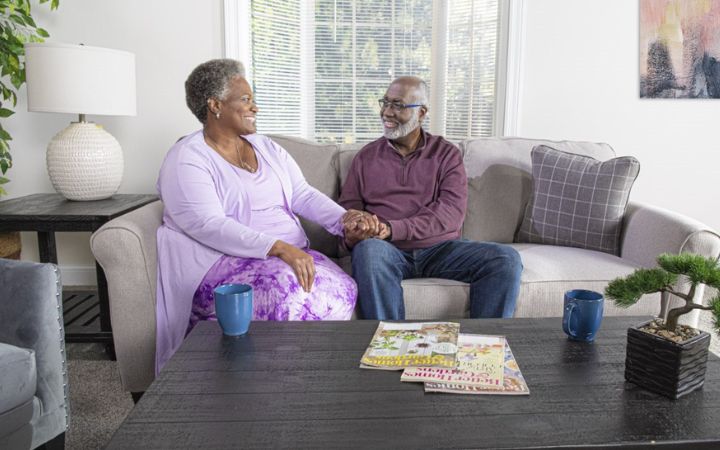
x=298 y=385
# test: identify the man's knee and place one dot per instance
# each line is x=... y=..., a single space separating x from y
x=506 y=259
x=512 y=257
x=369 y=249
x=375 y=258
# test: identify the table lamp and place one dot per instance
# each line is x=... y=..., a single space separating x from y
x=84 y=161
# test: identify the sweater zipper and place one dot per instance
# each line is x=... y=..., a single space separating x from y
x=405 y=171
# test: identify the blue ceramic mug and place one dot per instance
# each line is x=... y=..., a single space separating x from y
x=234 y=308
x=583 y=314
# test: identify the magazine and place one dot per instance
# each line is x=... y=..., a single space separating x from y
x=513 y=382
x=396 y=346
x=480 y=362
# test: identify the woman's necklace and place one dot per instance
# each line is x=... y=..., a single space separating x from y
x=241 y=161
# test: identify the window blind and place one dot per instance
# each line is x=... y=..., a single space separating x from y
x=319 y=66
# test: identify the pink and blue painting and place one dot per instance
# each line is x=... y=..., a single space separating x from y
x=680 y=48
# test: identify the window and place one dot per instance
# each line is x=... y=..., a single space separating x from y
x=319 y=66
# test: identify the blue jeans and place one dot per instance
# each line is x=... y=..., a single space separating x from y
x=493 y=271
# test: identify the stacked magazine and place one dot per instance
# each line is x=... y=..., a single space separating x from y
x=437 y=354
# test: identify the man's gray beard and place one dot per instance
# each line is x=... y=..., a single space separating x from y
x=402 y=129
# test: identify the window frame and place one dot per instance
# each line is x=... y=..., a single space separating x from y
x=509 y=57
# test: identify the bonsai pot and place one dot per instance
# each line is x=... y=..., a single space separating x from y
x=665 y=367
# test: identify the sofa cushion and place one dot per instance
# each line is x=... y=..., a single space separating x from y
x=500 y=182
x=18 y=376
x=577 y=201
x=319 y=165
x=551 y=270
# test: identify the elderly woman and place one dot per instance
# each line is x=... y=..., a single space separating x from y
x=231 y=200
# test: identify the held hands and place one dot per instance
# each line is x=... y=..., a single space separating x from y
x=360 y=225
x=300 y=262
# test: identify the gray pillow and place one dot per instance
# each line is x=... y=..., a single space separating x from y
x=577 y=201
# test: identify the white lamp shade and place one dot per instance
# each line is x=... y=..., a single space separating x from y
x=79 y=79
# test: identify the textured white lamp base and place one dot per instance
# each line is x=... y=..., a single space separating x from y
x=85 y=162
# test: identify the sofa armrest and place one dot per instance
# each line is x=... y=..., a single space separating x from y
x=126 y=248
x=650 y=231
x=31 y=318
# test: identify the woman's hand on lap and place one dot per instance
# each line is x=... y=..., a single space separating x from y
x=300 y=262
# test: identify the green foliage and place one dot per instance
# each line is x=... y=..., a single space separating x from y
x=627 y=291
x=695 y=267
x=17 y=28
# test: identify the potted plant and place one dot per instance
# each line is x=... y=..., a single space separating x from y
x=662 y=356
x=17 y=27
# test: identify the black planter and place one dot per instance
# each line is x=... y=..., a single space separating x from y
x=663 y=366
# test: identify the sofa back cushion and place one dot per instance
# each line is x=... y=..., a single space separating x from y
x=499 y=180
x=319 y=164
x=499 y=174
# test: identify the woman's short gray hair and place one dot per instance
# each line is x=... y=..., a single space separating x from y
x=210 y=79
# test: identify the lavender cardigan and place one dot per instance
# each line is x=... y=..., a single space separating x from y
x=206 y=215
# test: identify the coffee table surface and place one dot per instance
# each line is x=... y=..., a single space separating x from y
x=298 y=385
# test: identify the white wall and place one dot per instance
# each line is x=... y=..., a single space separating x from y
x=580 y=81
x=169 y=38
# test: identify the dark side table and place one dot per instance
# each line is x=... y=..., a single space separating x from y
x=48 y=213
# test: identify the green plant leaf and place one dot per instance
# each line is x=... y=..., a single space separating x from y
x=4 y=180
x=628 y=290
x=17 y=27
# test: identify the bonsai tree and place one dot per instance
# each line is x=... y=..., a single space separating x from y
x=696 y=269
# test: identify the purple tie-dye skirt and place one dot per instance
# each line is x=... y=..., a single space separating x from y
x=277 y=295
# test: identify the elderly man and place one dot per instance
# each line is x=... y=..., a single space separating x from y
x=412 y=188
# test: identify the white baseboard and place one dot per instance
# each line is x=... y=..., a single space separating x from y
x=78 y=275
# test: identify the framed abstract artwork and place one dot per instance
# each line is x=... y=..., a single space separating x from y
x=680 y=48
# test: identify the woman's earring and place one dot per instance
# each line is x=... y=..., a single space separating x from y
x=217 y=115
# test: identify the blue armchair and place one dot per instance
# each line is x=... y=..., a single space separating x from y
x=34 y=406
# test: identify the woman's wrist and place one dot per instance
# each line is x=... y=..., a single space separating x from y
x=278 y=248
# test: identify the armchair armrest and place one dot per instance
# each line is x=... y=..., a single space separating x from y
x=650 y=231
x=126 y=249
x=31 y=317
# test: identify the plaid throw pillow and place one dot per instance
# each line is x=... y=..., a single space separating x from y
x=577 y=201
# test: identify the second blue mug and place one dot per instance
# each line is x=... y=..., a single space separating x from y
x=582 y=314
x=234 y=308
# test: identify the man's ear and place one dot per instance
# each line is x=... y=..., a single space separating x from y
x=423 y=112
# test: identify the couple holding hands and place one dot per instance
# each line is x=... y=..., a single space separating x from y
x=232 y=198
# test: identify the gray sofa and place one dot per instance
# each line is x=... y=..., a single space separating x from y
x=33 y=371
x=500 y=181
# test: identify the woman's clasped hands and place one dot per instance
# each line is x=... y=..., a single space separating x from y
x=360 y=225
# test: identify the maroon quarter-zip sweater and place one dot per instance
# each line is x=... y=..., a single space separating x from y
x=423 y=196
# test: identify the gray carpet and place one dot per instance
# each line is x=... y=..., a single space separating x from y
x=98 y=405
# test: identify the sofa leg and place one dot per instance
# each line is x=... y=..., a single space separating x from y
x=136 y=396
x=56 y=443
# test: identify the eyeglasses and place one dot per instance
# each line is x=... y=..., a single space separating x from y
x=396 y=106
